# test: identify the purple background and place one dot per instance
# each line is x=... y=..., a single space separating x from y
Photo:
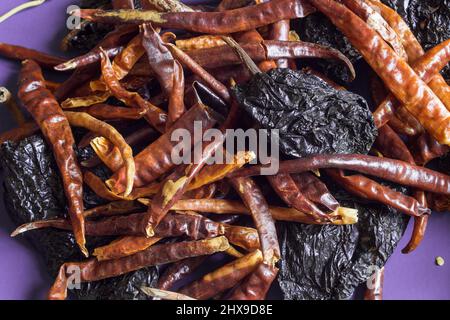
x=22 y=276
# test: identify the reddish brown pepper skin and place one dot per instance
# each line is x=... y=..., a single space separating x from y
x=21 y=53
x=226 y=22
x=255 y=286
x=122 y=4
x=426 y=149
x=44 y=108
x=315 y=190
x=255 y=202
x=280 y=31
x=388 y=169
x=109 y=112
x=366 y=188
x=155 y=160
x=285 y=187
x=93 y=270
x=178 y=271
x=401 y=80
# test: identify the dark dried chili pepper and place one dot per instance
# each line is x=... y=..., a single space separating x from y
x=21 y=53
x=93 y=270
x=388 y=169
x=244 y=237
x=47 y=113
x=256 y=286
x=401 y=80
x=226 y=22
x=286 y=188
x=262 y=217
x=87 y=59
x=224 y=278
x=179 y=270
x=112 y=208
x=315 y=190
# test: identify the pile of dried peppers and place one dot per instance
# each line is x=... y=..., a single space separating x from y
x=142 y=73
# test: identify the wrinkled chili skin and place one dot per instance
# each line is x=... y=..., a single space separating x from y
x=401 y=79
x=178 y=271
x=155 y=159
x=285 y=187
x=226 y=22
x=388 y=169
x=426 y=149
x=93 y=270
x=255 y=286
x=44 y=108
x=254 y=200
x=21 y=53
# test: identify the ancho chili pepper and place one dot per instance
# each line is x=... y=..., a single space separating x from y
x=44 y=108
x=93 y=270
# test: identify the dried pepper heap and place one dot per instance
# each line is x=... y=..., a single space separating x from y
x=350 y=172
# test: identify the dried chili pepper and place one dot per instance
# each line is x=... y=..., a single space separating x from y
x=426 y=149
x=401 y=80
x=87 y=59
x=81 y=119
x=179 y=270
x=256 y=286
x=112 y=208
x=224 y=278
x=93 y=270
x=21 y=53
x=244 y=237
x=47 y=113
x=315 y=190
x=154 y=115
x=124 y=246
x=286 y=188
x=389 y=169
x=156 y=159
x=230 y=21
x=108 y=112
x=375 y=292
x=262 y=217
x=199 y=42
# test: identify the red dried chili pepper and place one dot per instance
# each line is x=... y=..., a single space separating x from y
x=388 y=169
x=401 y=80
x=226 y=22
x=224 y=278
x=178 y=271
x=44 y=108
x=426 y=149
x=93 y=270
x=21 y=53
x=109 y=112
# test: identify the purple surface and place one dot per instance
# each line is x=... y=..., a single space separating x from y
x=22 y=276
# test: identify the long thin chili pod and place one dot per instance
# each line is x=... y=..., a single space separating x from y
x=108 y=112
x=81 y=119
x=388 y=169
x=112 y=208
x=226 y=22
x=262 y=217
x=156 y=117
x=87 y=59
x=366 y=188
x=339 y=216
x=93 y=270
x=21 y=53
x=44 y=108
x=224 y=278
x=179 y=270
x=256 y=286
x=199 y=42
x=286 y=188
x=401 y=80
x=315 y=190
x=155 y=160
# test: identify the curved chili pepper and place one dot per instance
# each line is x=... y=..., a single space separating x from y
x=109 y=112
x=366 y=188
x=256 y=286
x=47 y=113
x=21 y=53
x=315 y=190
x=376 y=290
x=244 y=237
x=388 y=169
x=93 y=270
x=401 y=80
x=225 y=22
x=224 y=278
x=87 y=59
x=426 y=149
x=285 y=187
x=262 y=217
x=155 y=160
x=124 y=246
